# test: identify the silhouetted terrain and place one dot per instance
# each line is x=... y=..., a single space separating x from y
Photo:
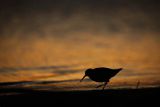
x=118 y=97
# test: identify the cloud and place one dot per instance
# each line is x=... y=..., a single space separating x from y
x=54 y=18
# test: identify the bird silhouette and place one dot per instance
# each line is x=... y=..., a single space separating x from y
x=101 y=74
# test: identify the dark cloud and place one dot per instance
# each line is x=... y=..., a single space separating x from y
x=2 y=69
x=57 y=17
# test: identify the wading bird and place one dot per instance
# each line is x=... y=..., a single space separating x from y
x=101 y=74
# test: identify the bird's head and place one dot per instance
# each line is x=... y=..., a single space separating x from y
x=87 y=73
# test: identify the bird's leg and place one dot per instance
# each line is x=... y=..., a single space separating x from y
x=99 y=85
x=104 y=85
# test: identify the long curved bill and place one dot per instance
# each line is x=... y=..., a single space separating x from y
x=83 y=78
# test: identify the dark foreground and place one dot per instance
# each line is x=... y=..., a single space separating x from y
x=117 y=97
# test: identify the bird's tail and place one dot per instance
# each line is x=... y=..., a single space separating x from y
x=116 y=71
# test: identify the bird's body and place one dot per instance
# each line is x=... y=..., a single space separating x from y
x=101 y=74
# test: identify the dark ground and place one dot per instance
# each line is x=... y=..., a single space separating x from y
x=114 y=97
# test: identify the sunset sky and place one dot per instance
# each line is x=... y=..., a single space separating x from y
x=57 y=40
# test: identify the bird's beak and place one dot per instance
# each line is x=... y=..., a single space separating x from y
x=83 y=78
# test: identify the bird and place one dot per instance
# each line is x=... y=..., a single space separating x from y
x=101 y=74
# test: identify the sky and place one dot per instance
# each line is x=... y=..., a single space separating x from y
x=57 y=40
